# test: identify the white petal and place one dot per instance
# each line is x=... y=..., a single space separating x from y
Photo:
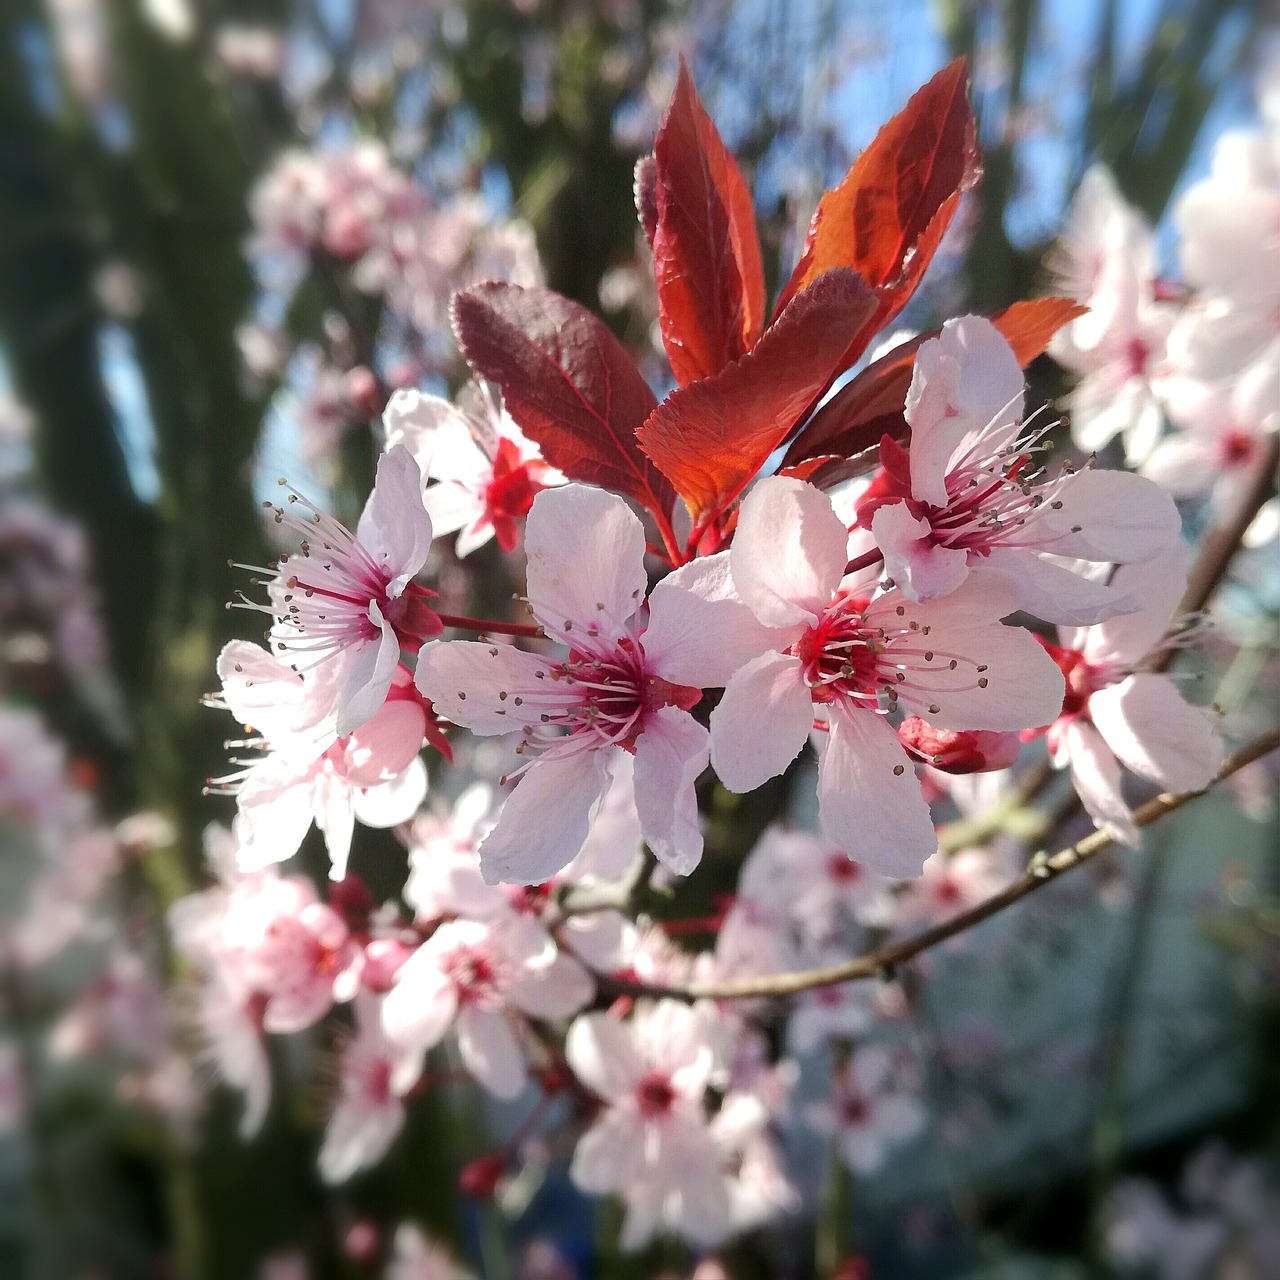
x=336 y=817
x=394 y=526
x=610 y=1154
x=1157 y=733
x=491 y=1052
x=1048 y=590
x=1021 y=688
x=1157 y=588
x=393 y=802
x=586 y=561
x=789 y=552
x=275 y=809
x=546 y=819
x=869 y=799
x=263 y=693
x=670 y=754
x=558 y=990
x=1096 y=774
x=699 y=631
x=464 y=679
x=367 y=672
x=921 y=568
x=1109 y=515
x=357 y=1137
x=418 y=1010
x=602 y=1054
x=761 y=723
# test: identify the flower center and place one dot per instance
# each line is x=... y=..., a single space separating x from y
x=654 y=1095
x=1236 y=448
x=474 y=975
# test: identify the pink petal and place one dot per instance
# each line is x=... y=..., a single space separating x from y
x=602 y=1054
x=464 y=680
x=586 y=562
x=367 y=670
x=869 y=799
x=1157 y=588
x=275 y=812
x=1109 y=515
x=393 y=802
x=699 y=631
x=417 y=1012
x=610 y=1154
x=1021 y=687
x=394 y=526
x=670 y=754
x=789 y=552
x=336 y=817
x=966 y=392
x=491 y=1052
x=358 y=1136
x=1096 y=774
x=261 y=691
x=1157 y=733
x=1047 y=590
x=918 y=566
x=385 y=746
x=559 y=990
x=761 y=723
x=546 y=819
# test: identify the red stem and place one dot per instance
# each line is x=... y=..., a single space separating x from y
x=486 y=626
x=865 y=560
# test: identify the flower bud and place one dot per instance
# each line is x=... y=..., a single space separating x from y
x=479 y=1179
x=973 y=751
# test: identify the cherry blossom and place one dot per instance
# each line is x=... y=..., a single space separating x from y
x=369 y=1113
x=868 y=1113
x=969 y=497
x=626 y=685
x=952 y=883
x=308 y=772
x=1107 y=261
x=1117 y=713
x=651 y=1143
x=473 y=977
x=852 y=657
x=416 y=1257
x=486 y=474
x=345 y=603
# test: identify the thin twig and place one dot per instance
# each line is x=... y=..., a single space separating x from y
x=1043 y=868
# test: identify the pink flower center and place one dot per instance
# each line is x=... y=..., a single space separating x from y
x=851 y=660
x=842 y=869
x=854 y=1110
x=1236 y=448
x=1136 y=355
x=473 y=974
x=654 y=1095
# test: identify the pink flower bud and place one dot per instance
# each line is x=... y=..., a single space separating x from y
x=973 y=751
x=382 y=960
x=479 y=1179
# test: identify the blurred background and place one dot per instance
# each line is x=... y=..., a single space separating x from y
x=229 y=229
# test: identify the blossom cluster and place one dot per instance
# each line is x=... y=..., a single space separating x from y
x=750 y=580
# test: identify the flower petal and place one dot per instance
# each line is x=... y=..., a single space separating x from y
x=1096 y=774
x=869 y=799
x=1109 y=515
x=761 y=723
x=1048 y=590
x=670 y=754
x=546 y=819
x=367 y=670
x=602 y=1053
x=491 y=1052
x=917 y=565
x=586 y=562
x=1157 y=733
x=394 y=526
x=789 y=552
x=464 y=680
x=1157 y=588
x=699 y=631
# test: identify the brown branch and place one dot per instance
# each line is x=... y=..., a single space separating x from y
x=1043 y=868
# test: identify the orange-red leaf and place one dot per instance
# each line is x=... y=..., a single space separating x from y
x=889 y=213
x=712 y=436
x=711 y=298
x=568 y=383
x=870 y=405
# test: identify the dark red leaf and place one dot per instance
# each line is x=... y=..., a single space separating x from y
x=711 y=298
x=870 y=405
x=888 y=215
x=645 y=189
x=568 y=383
x=712 y=436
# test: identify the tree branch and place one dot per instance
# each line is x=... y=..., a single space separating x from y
x=1043 y=868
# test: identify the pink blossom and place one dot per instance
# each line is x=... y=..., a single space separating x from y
x=478 y=978
x=651 y=1143
x=1117 y=713
x=969 y=496
x=853 y=658
x=869 y=1113
x=308 y=772
x=952 y=883
x=626 y=685
x=344 y=604
x=1107 y=261
x=369 y=1113
x=486 y=474
x=416 y=1257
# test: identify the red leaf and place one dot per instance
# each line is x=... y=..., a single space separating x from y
x=568 y=383
x=887 y=216
x=712 y=436
x=1029 y=326
x=853 y=420
x=711 y=298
